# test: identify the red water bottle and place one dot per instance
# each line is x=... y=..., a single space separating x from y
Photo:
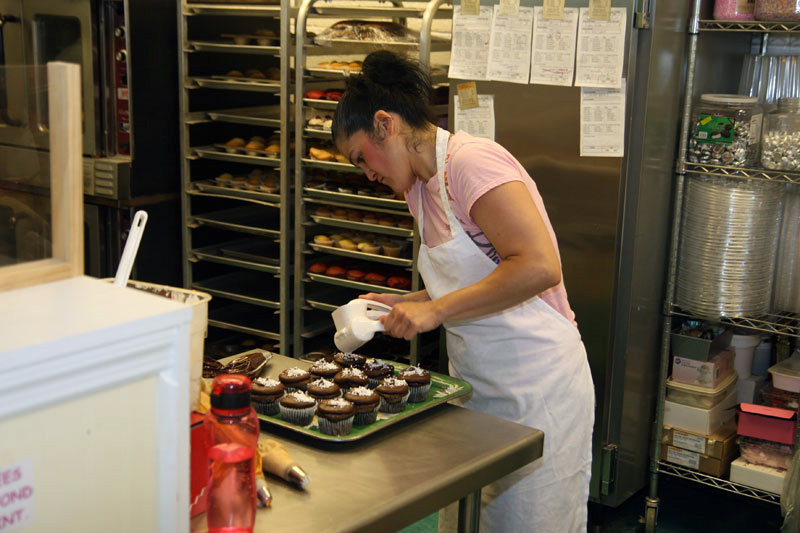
x=233 y=426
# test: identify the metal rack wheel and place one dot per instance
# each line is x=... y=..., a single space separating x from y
x=650 y=514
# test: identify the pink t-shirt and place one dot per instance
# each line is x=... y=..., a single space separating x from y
x=476 y=166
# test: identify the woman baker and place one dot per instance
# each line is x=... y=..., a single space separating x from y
x=492 y=272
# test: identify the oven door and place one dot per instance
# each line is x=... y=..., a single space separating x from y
x=35 y=32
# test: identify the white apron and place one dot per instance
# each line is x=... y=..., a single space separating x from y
x=526 y=364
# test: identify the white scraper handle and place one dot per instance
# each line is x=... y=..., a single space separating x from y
x=131 y=247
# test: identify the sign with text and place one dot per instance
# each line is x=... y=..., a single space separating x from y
x=16 y=495
x=467 y=95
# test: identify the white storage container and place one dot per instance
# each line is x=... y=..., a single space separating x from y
x=699 y=396
x=786 y=374
x=699 y=420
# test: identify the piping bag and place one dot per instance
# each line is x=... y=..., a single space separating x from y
x=277 y=461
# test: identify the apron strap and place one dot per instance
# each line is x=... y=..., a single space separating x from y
x=442 y=141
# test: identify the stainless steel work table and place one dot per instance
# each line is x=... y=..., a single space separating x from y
x=395 y=476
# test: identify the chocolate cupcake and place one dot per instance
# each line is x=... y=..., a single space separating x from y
x=294 y=378
x=350 y=377
x=346 y=360
x=323 y=389
x=366 y=402
x=324 y=369
x=335 y=417
x=376 y=370
x=264 y=395
x=298 y=408
x=419 y=383
x=394 y=395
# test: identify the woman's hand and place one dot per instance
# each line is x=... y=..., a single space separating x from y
x=407 y=319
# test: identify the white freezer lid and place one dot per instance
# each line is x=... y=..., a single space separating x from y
x=68 y=308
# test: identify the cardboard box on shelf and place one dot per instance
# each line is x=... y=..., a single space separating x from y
x=697 y=348
x=721 y=444
x=698 y=420
x=757 y=476
x=713 y=466
x=703 y=373
x=768 y=423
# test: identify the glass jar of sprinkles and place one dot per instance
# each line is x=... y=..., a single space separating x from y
x=734 y=9
x=780 y=144
x=726 y=129
x=777 y=10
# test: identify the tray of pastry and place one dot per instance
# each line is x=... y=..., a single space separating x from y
x=246 y=287
x=320 y=104
x=330 y=165
x=248 y=219
x=268 y=115
x=351 y=224
x=376 y=201
x=246 y=318
x=262 y=37
x=443 y=389
x=368 y=287
x=212 y=152
x=212 y=187
x=249 y=46
x=235 y=83
x=255 y=152
x=397 y=261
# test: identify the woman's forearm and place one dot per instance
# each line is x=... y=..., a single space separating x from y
x=418 y=296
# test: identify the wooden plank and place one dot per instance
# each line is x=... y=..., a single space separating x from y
x=66 y=180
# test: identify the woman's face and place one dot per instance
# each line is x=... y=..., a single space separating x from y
x=385 y=162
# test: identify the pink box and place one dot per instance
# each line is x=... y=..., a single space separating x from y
x=767 y=423
x=703 y=373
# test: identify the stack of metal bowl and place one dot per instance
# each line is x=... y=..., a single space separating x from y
x=787 y=270
x=729 y=235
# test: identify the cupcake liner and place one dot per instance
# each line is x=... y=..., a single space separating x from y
x=365 y=419
x=300 y=416
x=265 y=407
x=398 y=407
x=418 y=393
x=335 y=427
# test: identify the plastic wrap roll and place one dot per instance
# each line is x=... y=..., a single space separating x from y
x=729 y=235
x=787 y=272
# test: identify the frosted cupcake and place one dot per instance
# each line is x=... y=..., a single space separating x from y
x=394 y=395
x=294 y=378
x=335 y=417
x=264 y=395
x=323 y=389
x=419 y=383
x=377 y=370
x=324 y=369
x=366 y=402
x=350 y=377
x=298 y=408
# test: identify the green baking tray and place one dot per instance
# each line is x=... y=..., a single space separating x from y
x=443 y=389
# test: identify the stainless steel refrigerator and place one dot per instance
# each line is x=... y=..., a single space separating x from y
x=611 y=217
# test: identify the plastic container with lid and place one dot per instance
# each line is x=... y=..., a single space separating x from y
x=782 y=399
x=698 y=396
x=786 y=374
x=765 y=452
x=726 y=130
x=777 y=10
x=734 y=9
x=780 y=143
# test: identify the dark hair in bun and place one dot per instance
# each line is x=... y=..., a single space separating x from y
x=389 y=82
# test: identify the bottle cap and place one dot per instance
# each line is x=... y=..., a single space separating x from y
x=230 y=391
x=298 y=475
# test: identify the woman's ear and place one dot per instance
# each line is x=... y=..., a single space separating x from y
x=384 y=124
